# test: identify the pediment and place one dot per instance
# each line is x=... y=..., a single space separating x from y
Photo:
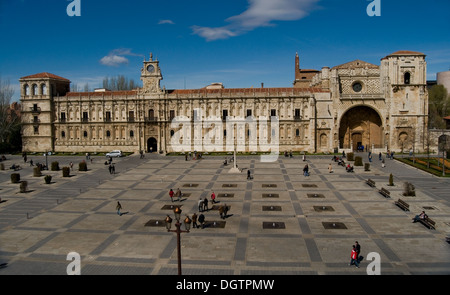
x=356 y=64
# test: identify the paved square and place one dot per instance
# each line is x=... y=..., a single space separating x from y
x=39 y=228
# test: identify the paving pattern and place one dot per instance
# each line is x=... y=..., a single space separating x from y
x=280 y=222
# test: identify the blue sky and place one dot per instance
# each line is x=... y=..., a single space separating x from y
x=241 y=43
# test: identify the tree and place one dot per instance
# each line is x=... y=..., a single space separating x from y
x=119 y=83
x=9 y=120
x=439 y=106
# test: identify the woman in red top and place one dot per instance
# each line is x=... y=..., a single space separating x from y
x=354 y=257
x=171 y=194
x=213 y=197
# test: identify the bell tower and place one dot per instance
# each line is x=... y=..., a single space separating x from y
x=151 y=76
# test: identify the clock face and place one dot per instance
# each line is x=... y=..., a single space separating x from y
x=357 y=87
x=150 y=68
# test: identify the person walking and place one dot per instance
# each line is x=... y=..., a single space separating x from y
x=213 y=198
x=305 y=170
x=171 y=193
x=178 y=194
x=358 y=250
x=118 y=208
x=205 y=204
x=200 y=205
x=330 y=168
x=249 y=174
x=354 y=257
x=194 y=221
x=201 y=220
x=222 y=212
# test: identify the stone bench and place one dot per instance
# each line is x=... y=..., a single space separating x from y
x=402 y=204
x=385 y=192
x=370 y=182
x=428 y=222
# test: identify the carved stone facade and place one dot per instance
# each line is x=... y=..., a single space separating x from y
x=340 y=108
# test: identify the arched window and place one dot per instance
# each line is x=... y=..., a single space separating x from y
x=44 y=89
x=407 y=78
x=108 y=133
x=34 y=90
x=172 y=132
x=27 y=89
x=63 y=134
x=131 y=133
x=85 y=134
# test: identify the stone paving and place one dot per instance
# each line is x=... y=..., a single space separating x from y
x=40 y=227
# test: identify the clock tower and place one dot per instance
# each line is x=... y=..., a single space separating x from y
x=151 y=76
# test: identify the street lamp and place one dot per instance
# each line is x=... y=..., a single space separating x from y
x=187 y=224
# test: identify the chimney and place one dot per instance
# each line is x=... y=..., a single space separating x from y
x=262 y=85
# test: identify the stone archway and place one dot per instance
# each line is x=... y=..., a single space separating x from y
x=152 y=145
x=361 y=126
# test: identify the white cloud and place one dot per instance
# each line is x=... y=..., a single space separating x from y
x=260 y=13
x=117 y=57
x=166 y=21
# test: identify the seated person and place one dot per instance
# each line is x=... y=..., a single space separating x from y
x=349 y=168
x=420 y=216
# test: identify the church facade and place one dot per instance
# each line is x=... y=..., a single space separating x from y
x=346 y=107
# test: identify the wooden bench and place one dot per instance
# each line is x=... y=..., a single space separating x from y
x=428 y=223
x=385 y=192
x=370 y=182
x=402 y=204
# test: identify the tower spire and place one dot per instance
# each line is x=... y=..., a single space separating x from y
x=297 y=66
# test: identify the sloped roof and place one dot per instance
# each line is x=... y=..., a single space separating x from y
x=356 y=64
x=45 y=75
x=406 y=52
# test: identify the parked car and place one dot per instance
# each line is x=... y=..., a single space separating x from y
x=115 y=153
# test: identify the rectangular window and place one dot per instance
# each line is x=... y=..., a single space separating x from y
x=63 y=117
x=36 y=129
x=131 y=116
x=171 y=114
x=224 y=114
x=273 y=112
x=249 y=113
x=85 y=117
x=108 y=116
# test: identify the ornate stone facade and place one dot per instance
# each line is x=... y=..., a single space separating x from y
x=340 y=108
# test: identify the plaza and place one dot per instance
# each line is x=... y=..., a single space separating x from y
x=280 y=222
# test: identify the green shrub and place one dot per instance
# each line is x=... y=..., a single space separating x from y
x=358 y=161
x=350 y=156
x=391 y=180
x=15 y=177
x=37 y=172
x=366 y=166
x=48 y=179
x=82 y=166
x=66 y=171
x=24 y=186
x=55 y=166
x=409 y=189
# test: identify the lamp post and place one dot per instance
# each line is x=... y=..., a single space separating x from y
x=187 y=224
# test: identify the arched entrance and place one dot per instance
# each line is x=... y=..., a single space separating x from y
x=361 y=127
x=152 y=145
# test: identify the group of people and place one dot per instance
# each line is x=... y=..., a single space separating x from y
x=177 y=195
